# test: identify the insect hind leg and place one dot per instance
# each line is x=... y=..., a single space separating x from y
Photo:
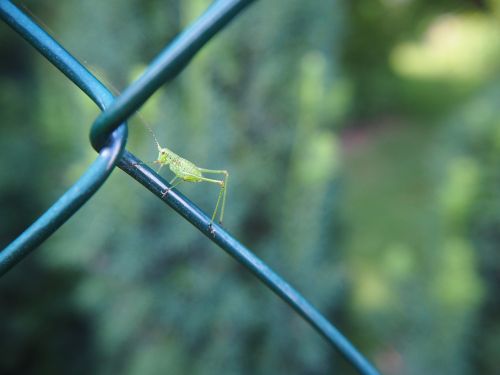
x=222 y=192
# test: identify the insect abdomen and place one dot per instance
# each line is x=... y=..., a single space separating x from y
x=185 y=169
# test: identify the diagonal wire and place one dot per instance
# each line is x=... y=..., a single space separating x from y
x=167 y=66
x=99 y=170
x=157 y=185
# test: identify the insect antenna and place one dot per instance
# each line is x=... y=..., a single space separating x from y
x=150 y=130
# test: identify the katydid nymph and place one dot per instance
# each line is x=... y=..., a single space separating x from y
x=185 y=170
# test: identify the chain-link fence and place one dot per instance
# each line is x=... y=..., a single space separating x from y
x=108 y=136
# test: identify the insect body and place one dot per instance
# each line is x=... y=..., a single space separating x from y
x=185 y=170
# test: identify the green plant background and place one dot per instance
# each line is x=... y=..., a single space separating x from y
x=363 y=141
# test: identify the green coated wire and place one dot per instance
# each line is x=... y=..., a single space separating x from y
x=107 y=133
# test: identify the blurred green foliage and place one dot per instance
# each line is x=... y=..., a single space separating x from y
x=363 y=142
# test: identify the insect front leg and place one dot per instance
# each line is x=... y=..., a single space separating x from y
x=160 y=167
x=150 y=163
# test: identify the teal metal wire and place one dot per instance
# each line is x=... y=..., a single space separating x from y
x=165 y=66
x=99 y=170
x=109 y=138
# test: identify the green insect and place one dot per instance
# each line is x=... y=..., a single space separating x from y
x=185 y=170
